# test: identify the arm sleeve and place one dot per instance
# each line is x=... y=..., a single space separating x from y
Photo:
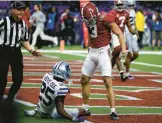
x=63 y=90
x=42 y=18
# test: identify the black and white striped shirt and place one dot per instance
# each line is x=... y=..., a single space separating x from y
x=12 y=32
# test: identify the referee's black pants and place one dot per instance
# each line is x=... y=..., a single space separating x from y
x=11 y=57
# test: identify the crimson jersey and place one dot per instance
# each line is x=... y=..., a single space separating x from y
x=121 y=18
x=100 y=35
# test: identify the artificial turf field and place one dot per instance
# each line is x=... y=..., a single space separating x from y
x=137 y=101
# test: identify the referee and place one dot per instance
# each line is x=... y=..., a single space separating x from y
x=13 y=32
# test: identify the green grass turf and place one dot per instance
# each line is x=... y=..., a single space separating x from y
x=151 y=59
x=94 y=110
x=127 y=88
x=103 y=96
x=125 y=110
x=146 y=68
x=24 y=119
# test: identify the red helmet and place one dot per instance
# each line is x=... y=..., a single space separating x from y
x=89 y=13
x=119 y=4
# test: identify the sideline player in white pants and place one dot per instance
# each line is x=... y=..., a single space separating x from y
x=52 y=96
x=131 y=40
x=39 y=19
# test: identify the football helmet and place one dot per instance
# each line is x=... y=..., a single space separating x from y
x=130 y=4
x=62 y=70
x=89 y=13
x=119 y=5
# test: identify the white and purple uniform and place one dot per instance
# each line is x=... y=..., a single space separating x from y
x=131 y=40
x=51 y=89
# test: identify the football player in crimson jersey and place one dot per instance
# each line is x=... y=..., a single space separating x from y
x=121 y=19
x=131 y=40
x=99 y=26
x=52 y=96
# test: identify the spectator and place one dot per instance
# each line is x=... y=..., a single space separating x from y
x=140 y=23
x=63 y=17
x=157 y=29
x=26 y=18
x=62 y=23
x=39 y=19
x=69 y=30
x=51 y=22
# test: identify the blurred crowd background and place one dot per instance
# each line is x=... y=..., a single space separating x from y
x=63 y=20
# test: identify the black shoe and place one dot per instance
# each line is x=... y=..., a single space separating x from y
x=114 y=116
x=123 y=77
x=88 y=112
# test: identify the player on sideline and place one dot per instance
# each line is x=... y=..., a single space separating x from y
x=99 y=26
x=52 y=96
x=131 y=40
x=121 y=19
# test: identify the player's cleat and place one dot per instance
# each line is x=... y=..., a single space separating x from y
x=30 y=113
x=123 y=77
x=88 y=112
x=114 y=116
x=130 y=77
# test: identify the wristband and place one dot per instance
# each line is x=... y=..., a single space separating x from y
x=31 y=50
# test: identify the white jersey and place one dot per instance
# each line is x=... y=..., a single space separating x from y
x=132 y=16
x=49 y=91
x=39 y=18
x=131 y=40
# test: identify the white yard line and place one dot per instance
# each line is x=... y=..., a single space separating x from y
x=135 y=75
x=44 y=64
x=146 y=64
x=76 y=62
x=54 y=57
x=22 y=102
x=79 y=95
x=129 y=114
x=48 y=70
x=156 y=73
x=69 y=106
x=86 y=51
x=156 y=80
x=28 y=58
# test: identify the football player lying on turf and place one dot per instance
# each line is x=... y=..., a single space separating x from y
x=52 y=96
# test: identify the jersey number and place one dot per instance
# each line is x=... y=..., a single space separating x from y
x=122 y=19
x=93 y=31
x=131 y=19
x=47 y=91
